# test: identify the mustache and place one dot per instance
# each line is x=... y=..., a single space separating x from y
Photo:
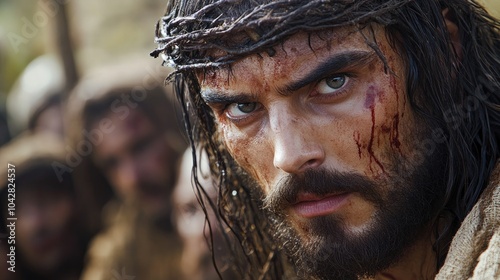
x=319 y=182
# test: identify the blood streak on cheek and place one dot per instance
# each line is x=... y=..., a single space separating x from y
x=357 y=139
x=371 y=96
x=394 y=135
x=395 y=143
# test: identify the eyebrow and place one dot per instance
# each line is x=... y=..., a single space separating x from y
x=215 y=97
x=331 y=65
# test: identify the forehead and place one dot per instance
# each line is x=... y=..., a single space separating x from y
x=133 y=125
x=293 y=57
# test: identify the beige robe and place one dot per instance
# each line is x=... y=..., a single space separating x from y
x=132 y=248
x=475 y=249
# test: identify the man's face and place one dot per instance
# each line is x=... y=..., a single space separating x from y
x=45 y=229
x=137 y=161
x=329 y=136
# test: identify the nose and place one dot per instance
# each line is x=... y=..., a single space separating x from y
x=296 y=148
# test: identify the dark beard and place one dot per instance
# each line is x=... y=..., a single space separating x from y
x=404 y=207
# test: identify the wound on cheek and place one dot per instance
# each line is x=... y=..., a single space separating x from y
x=395 y=143
x=357 y=139
x=371 y=96
x=395 y=133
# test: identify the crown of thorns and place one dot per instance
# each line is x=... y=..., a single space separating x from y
x=184 y=42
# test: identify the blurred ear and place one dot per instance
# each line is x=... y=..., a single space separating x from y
x=450 y=21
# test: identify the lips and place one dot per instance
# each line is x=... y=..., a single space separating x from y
x=309 y=205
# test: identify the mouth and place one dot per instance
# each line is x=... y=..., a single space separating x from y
x=310 y=206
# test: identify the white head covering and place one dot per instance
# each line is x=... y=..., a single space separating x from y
x=41 y=79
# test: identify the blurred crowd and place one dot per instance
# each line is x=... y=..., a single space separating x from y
x=102 y=179
x=95 y=177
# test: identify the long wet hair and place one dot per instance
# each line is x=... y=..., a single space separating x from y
x=456 y=90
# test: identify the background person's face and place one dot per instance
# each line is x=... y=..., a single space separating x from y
x=190 y=222
x=324 y=105
x=45 y=229
x=137 y=161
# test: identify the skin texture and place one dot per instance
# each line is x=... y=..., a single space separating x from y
x=366 y=121
x=137 y=161
x=275 y=129
x=351 y=132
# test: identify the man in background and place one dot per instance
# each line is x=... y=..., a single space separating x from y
x=35 y=103
x=49 y=241
x=199 y=225
x=125 y=132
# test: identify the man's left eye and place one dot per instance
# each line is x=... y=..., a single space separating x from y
x=332 y=84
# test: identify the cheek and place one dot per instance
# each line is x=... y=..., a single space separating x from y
x=238 y=145
x=253 y=154
x=190 y=227
x=378 y=133
x=397 y=128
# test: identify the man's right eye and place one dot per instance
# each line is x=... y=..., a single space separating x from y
x=241 y=110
